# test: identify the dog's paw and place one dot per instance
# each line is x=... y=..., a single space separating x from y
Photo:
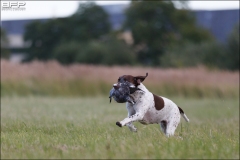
x=118 y=124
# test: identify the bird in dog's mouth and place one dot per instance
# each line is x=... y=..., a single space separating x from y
x=121 y=92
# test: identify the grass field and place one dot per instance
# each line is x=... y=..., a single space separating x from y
x=80 y=128
x=54 y=111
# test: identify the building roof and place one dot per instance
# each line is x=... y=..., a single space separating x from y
x=17 y=26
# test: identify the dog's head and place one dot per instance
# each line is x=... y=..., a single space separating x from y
x=133 y=81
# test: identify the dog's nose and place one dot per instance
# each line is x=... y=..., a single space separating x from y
x=114 y=85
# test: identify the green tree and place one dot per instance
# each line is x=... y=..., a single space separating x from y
x=89 y=22
x=43 y=37
x=224 y=56
x=232 y=57
x=4 y=42
x=156 y=25
x=212 y=54
x=66 y=52
x=108 y=52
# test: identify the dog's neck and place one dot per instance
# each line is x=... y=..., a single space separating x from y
x=142 y=87
x=138 y=93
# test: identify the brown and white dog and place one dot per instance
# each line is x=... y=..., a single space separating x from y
x=150 y=108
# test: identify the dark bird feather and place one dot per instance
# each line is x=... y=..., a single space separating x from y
x=121 y=93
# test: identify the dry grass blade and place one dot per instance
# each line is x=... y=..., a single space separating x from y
x=53 y=72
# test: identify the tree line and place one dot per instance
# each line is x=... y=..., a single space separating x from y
x=162 y=36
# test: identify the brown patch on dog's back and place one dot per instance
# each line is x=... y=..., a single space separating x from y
x=159 y=103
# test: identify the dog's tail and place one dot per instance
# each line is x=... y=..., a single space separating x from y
x=183 y=114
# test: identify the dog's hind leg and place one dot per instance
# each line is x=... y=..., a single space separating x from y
x=172 y=125
x=170 y=130
x=163 y=126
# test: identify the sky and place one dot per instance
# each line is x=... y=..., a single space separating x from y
x=53 y=9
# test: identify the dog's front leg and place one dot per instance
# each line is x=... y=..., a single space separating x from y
x=131 y=112
x=136 y=117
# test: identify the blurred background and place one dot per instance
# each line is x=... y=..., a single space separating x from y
x=80 y=48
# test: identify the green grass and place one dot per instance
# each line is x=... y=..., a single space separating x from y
x=94 y=88
x=80 y=128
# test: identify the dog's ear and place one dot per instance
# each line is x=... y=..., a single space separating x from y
x=140 y=79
